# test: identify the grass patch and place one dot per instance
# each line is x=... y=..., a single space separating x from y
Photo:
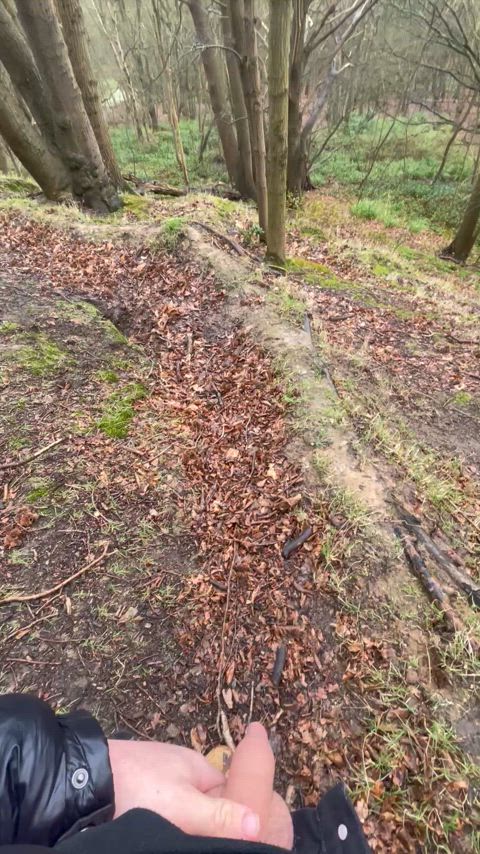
x=17 y=186
x=287 y=304
x=7 y=327
x=375 y=209
x=119 y=411
x=40 y=356
x=171 y=232
x=40 y=487
x=107 y=376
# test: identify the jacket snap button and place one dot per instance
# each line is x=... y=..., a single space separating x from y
x=80 y=778
x=342 y=832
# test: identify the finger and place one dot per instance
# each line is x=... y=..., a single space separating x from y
x=201 y=815
x=202 y=775
x=250 y=779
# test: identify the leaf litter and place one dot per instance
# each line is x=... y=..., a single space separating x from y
x=243 y=606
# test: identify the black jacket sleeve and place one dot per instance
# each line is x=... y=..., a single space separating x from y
x=55 y=775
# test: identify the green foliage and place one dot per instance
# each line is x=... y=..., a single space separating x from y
x=7 y=327
x=172 y=231
x=252 y=234
x=403 y=166
x=119 y=411
x=17 y=186
x=155 y=158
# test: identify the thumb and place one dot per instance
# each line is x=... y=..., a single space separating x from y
x=218 y=817
x=250 y=778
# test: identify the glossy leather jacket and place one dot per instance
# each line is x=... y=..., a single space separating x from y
x=55 y=775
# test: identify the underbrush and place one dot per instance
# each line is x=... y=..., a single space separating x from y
x=394 y=164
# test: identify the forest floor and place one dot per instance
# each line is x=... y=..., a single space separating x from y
x=174 y=415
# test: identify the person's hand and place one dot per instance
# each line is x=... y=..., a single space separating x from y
x=250 y=782
x=173 y=782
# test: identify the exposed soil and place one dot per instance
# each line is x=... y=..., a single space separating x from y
x=179 y=460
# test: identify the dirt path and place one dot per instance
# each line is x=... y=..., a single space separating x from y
x=184 y=453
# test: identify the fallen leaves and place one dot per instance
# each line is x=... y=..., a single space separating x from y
x=13 y=535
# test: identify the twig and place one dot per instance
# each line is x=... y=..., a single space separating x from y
x=221 y=660
x=227 y=735
x=43 y=593
x=462 y=340
x=292 y=545
x=228 y=240
x=23 y=630
x=33 y=456
x=279 y=664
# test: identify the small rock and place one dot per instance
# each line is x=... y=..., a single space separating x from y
x=412 y=676
x=173 y=731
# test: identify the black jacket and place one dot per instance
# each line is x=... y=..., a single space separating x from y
x=56 y=781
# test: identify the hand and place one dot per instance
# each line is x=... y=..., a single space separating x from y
x=173 y=781
x=250 y=782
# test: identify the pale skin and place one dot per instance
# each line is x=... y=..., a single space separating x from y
x=181 y=786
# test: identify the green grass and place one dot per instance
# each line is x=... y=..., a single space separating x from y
x=400 y=167
x=119 y=412
x=40 y=356
x=171 y=232
x=155 y=158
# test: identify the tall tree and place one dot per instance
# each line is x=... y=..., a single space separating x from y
x=74 y=31
x=464 y=240
x=278 y=74
x=26 y=140
x=245 y=182
x=74 y=135
x=213 y=64
x=254 y=99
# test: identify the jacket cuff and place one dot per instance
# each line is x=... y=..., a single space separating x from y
x=89 y=791
x=331 y=828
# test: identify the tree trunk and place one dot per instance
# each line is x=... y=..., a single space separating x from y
x=17 y=57
x=152 y=112
x=214 y=73
x=174 y=124
x=245 y=182
x=464 y=240
x=3 y=157
x=254 y=98
x=75 y=138
x=74 y=31
x=296 y=157
x=26 y=142
x=278 y=74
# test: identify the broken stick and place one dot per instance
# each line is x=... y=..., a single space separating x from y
x=51 y=590
x=432 y=588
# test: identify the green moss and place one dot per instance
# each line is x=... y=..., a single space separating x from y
x=462 y=398
x=107 y=376
x=41 y=487
x=225 y=207
x=287 y=304
x=113 y=333
x=119 y=411
x=406 y=252
x=7 y=327
x=40 y=356
x=380 y=270
x=317 y=274
x=139 y=206
x=15 y=185
x=78 y=310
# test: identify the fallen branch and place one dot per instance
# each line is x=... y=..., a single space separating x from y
x=228 y=240
x=463 y=582
x=51 y=590
x=432 y=588
x=167 y=190
x=462 y=340
x=33 y=456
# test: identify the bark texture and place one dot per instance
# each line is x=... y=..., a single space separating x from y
x=215 y=74
x=464 y=240
x=27 y=143
x=75 y=34
x=278 y=68
x=255 y=101
x=74 y=136
x=245 y=182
